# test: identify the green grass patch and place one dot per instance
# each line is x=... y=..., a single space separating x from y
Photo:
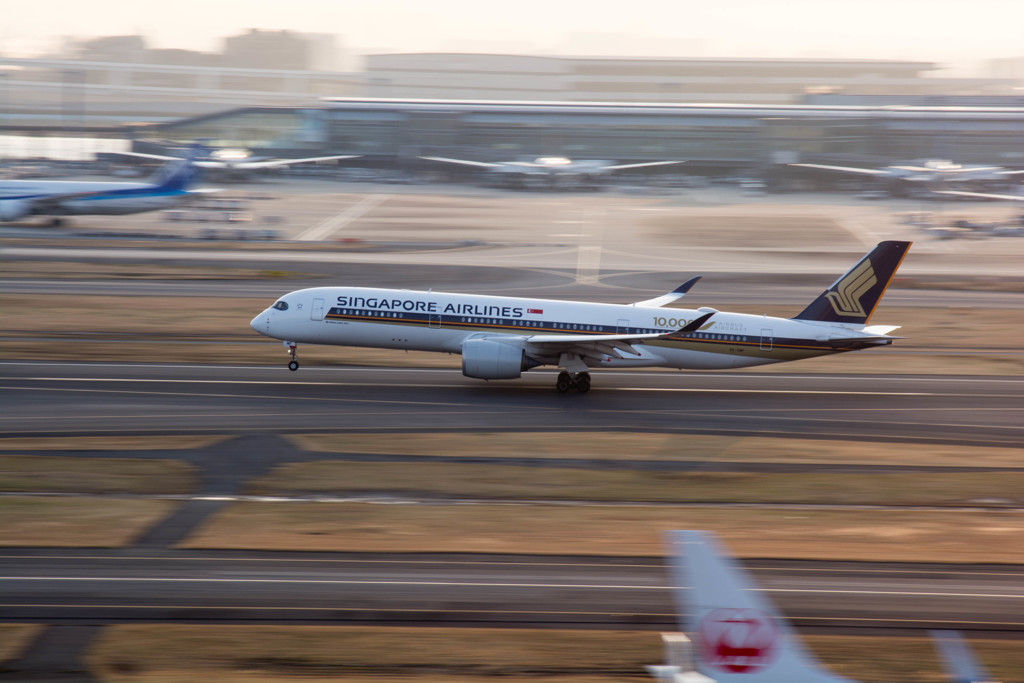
x=78 y=521
x=183 y=653
x=548 y=483
x=613 y=530
x=68 y=474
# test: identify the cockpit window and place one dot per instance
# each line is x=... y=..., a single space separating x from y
x=281 y=306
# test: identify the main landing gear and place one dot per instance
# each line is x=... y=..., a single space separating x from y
x=579 y=381
x=293 y=364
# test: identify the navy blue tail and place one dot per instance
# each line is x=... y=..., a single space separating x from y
x=178 y=176
x=853 y=297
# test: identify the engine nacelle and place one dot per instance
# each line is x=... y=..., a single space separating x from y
x=13 y=209
x=489 y=359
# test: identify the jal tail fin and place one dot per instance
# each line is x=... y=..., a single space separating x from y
x=853 y=297
x=737 y=634
x=178 y=175
x=960 y=663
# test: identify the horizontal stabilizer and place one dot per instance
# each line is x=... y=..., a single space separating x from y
x=676 y=294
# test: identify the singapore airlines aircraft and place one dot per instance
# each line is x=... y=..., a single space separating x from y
x=168 y=186
x=501 y=337
x=735 y=635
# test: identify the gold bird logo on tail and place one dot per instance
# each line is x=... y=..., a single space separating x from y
x=845 y=299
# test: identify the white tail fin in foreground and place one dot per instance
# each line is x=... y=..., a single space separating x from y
x=738 y=636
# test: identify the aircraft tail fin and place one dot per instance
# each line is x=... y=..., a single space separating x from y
x=960 y=662
x=178 y=175
x=853 y=297
x=737 y=634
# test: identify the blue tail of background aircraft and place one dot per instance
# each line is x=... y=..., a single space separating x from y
x=178 y=176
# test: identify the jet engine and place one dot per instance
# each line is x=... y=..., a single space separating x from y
x=12 y=210
x=489 y=359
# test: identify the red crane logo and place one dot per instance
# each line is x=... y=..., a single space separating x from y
x=738 y=640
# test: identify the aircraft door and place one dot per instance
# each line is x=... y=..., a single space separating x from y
x=317 y=311
x=767 y=340
x=435 y=320
x=621 y=326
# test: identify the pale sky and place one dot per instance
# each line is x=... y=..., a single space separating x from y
x=951 y=32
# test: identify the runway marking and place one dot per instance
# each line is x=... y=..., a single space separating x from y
x=394 y=610
x=254 y=396
x=609 y=373
x=588 y=265
x=487 y=584
x=333 y=224
x=446 y=563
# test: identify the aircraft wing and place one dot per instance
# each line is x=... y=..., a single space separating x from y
x=276 y=163
x=465 y=162
x=983 y=195
x=620 y=167
x=848 y=169
x=158 y=157
x=603 y=344
x=677 y=293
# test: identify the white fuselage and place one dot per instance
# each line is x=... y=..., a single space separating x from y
x=442 y=322
x=57 y=197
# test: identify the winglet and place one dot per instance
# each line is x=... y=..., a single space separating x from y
x=695 y=324
x=677 y=293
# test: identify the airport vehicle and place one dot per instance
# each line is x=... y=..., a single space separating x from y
x=170 y=185
x=501 y=337
x=927 y=171
x=738 y=635
x=238 y=162
x=552 y=168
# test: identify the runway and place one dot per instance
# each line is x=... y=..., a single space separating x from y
x=103 y=398
x=97 y=586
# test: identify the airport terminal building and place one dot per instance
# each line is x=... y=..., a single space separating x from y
x=393 y=133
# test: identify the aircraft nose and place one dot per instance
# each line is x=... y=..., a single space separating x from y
x=259 y=323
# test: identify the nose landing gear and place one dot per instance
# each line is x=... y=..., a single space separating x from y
x=579 y=381
x=293 y=364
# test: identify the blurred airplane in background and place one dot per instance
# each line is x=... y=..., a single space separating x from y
x=170 y=185
x=238 y=163
x=926 y=171
x=552 y=168
x=736 y=635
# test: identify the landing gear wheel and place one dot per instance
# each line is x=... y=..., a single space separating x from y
x=293 y=364
x=564 y=382
x=582 y=381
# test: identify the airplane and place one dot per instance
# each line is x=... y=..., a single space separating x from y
x=500 y=337
x=238 y=162
x=929 y=170
x=170 y=185
x=552 y=168
x=738 y=635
